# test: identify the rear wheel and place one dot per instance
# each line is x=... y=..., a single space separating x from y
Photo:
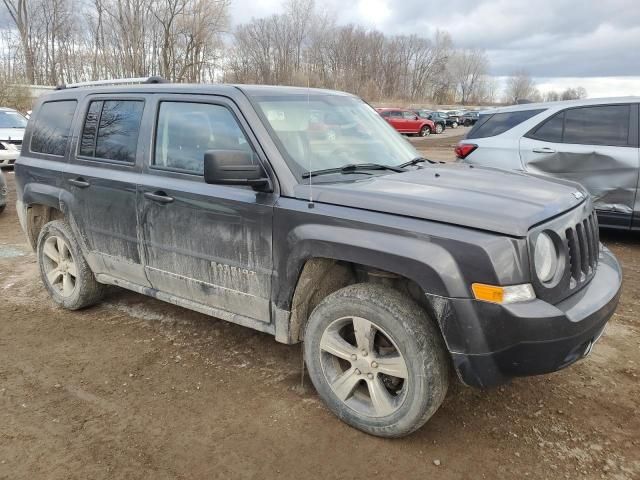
x=425 y=131
x=376 y=360
x=2 y=207
x=439 y=128
x=64 y=271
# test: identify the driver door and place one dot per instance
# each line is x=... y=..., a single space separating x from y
x=207 y=244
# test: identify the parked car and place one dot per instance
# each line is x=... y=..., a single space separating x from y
x=439 y=119
x=394 y=271
x=593 y=142
x=12 y=125
x=406 y=121
x=3 y=192
x=452 y=119
x=470 y=118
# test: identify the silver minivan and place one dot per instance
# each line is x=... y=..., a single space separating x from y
x=593 y=142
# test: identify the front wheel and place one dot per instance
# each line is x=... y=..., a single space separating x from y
x=376 y=359
x=425 y=131
x=454 y=125
x=439 y=128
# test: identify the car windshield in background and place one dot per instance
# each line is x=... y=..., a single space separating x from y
x=492 y=124
x=12 y=120
x=321 y=132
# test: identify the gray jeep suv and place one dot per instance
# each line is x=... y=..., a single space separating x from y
x=394 y=270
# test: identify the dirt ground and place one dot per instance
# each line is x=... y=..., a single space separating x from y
x=137 y=388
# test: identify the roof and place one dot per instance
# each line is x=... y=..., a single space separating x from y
x=563 y=104
x=388 y=109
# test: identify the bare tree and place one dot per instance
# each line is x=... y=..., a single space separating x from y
x=20 y=14
x=468 y=67
x=520 y=86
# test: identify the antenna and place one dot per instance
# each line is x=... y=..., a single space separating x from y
x=310 y=204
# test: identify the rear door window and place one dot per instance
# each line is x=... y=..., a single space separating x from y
x=52 y=127
x=498 y=123
x=600 y=125
x=111 y=130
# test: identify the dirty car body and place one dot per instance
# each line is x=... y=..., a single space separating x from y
x=593 y=142
x=265 y=251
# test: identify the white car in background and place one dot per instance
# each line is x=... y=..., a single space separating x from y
x=593 y=142
x=12 y=125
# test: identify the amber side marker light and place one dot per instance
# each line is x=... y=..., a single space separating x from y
x=503 y=295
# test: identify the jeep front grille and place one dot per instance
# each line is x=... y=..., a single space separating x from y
x=576 y=233
x=583 y=243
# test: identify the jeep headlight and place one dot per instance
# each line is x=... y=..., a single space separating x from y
x=545 y=258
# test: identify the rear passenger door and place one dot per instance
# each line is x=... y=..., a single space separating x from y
x=596 y=146
x=102 y=176
x=208 y=244
x=396 y=120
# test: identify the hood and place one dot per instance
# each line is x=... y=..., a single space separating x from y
x=477 y=197
x=11 y=133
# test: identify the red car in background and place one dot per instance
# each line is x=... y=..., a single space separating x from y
x=406 y=121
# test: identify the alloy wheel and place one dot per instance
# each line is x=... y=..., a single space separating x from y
x=60 y=267
x=364 y=367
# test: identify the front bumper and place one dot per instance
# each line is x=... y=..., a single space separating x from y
x=492 y=343
x=8 y=157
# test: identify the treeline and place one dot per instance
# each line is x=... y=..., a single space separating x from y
x=302 y=46
x=63 y=41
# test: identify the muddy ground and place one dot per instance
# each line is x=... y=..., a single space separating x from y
x=137 y=388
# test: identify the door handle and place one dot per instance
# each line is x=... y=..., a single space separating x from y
x=159 y=197
x=79 y=182
x=543 y=150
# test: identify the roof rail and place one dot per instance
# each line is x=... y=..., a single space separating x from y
x=115 y=81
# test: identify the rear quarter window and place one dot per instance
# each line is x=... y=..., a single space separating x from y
x=490 y=125
x=52 y=127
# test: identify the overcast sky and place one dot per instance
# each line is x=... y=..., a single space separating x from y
x=595 y=44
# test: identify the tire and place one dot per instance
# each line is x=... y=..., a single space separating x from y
x=406 y=342
x=439 y=128
x=64 y=271
x=454 y=125
x=2 y=207
x=425 y=131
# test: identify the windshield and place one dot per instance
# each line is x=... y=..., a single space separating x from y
x=320 y=132
x=12 y=120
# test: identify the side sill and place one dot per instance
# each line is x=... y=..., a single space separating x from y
x=181 y=302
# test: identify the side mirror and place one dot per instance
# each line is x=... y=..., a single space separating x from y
x=415 y=117
x=233 y=167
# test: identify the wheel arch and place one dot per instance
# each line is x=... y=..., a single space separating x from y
x=40 y=204
x=316 y=268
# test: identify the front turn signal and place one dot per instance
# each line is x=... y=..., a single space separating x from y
x=503 y=295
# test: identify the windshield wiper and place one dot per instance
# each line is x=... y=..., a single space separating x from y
x=415 y=161
x=354 y=167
